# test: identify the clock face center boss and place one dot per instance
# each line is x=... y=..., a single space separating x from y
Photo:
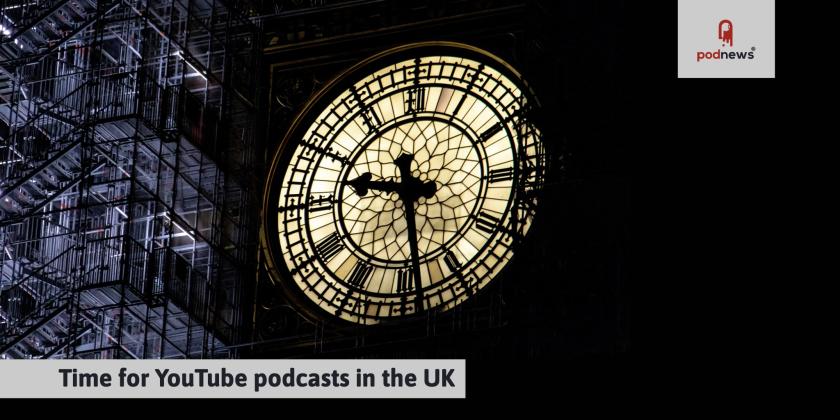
x=404 y=186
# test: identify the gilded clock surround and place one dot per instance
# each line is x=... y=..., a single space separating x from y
x=350 y=170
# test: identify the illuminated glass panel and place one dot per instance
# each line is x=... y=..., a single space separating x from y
x=440 y=143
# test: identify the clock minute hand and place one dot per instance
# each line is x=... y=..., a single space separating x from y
x=412 y=188
x=409 y=193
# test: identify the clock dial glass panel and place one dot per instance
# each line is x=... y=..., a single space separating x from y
x=407 y=192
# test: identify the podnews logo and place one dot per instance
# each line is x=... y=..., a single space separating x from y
x=726 y=35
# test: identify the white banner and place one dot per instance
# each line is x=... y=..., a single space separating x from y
x=725 y=38
x=344 y=378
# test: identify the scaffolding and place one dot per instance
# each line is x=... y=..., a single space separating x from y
x=126 y=150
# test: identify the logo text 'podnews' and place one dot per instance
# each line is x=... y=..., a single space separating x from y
x=726 y=34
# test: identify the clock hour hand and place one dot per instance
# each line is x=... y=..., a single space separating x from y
x=364 y=183
x=409 y=188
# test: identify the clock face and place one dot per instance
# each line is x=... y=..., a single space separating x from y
x=404 y=186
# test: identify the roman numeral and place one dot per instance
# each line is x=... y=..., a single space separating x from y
x=486 y=222
x=499 y=175
x=416 y=100
x=371 y=119
x=404 y=281
x=329 y=246
x=320 y=204
x=491 y=131
x=473 y=78
x=360 y=275
x=455 y=266
x=458 y=107
x=452 y=261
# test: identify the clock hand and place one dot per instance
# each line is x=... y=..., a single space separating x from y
x=411 y=190
x=363 y=183
x=415 y=254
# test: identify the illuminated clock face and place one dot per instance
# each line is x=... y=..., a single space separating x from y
x=405 y=185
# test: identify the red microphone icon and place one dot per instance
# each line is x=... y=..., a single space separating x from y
x=725 y=31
